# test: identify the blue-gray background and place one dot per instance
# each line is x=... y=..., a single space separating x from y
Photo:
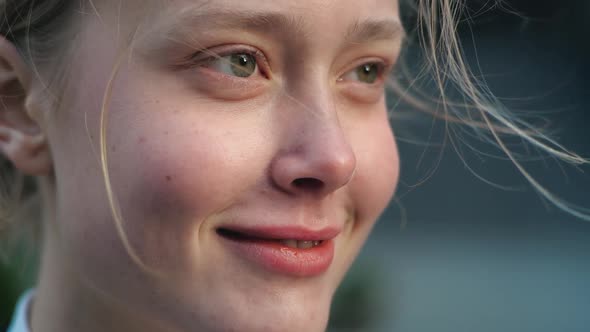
x=476 y=258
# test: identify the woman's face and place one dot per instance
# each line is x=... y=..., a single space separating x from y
x=250 y=180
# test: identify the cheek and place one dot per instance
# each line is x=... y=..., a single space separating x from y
x=372 y=186
x=377 y=170
x=173 y=183
x=381 y=172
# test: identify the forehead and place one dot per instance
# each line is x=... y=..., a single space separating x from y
x=315 y=8
x=327 y=15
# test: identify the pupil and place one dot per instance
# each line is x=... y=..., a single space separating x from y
x=243 y=60
x=368 y=73
x=243 y=65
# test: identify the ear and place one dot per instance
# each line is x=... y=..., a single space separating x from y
x=22 y=139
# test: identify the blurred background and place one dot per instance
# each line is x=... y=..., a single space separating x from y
x=455 y=253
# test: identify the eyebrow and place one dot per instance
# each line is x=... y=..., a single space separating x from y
x=373 y=30
x=200 y=19
x=194 y=20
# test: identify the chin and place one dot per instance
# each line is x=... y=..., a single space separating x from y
x=259 y=317
x=242 y=305
x=286 y=319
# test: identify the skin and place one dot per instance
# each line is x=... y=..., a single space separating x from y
x=190 y=148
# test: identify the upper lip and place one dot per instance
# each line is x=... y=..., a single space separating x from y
x=299 y=233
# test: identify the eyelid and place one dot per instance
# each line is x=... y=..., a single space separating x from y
x=205 y=56
x=384 y=68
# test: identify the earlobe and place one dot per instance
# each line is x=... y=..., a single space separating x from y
x=28 y=153
x=22 y=140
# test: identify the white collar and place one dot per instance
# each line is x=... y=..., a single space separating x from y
x=20 y=321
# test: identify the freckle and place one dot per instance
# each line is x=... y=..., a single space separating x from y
x=166 y=133
x=168 y=178
x=113 y=148
x=141 y=140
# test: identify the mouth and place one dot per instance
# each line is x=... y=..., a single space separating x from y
x=289 y=243
x=291 y=251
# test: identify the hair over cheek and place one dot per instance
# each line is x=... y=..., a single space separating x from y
x=170 y=195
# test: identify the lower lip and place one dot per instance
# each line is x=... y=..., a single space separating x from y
x=276 y=257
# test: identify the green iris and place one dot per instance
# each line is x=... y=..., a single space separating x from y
x=368 y=73
x=242 y=64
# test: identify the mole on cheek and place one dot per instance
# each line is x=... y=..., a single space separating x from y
x=168 y=178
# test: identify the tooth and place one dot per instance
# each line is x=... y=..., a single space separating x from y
x=289 y=243
x=305 y=244
x=300 y=244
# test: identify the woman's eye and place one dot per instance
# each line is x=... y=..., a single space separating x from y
x=241 y=65
x=368 y=73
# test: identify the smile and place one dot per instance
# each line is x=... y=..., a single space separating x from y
x=289 y=251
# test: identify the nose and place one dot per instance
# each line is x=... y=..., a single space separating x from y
x=315 y=159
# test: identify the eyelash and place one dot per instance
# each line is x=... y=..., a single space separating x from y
x=382 y=70
x=202 y=58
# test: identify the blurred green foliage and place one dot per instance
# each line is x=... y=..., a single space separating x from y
x=18 y=270
x=9 y=289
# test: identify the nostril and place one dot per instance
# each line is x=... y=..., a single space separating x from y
x=311 y=184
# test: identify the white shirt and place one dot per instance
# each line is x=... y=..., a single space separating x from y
x=20 y=321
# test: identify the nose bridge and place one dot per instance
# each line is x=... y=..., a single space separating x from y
x=316 y=154
x=313 y=114
x=318 y=126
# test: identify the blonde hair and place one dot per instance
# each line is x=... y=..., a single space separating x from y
x=478 y=108
x=29 y=23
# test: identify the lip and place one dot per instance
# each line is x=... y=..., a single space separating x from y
x=261 y=246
